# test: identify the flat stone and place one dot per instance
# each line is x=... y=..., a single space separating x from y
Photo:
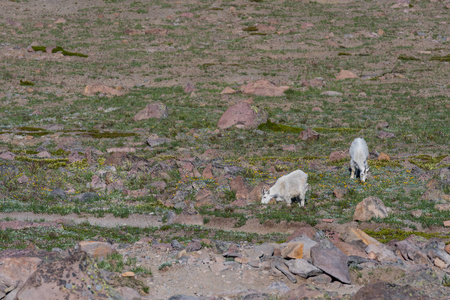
x=96 y=249
x=302 y=268
x=331 y=260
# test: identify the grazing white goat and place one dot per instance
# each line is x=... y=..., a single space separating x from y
x=359 y=153
x=292 y=185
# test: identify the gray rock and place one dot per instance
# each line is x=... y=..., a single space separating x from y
x=302 y=268
x=183 y=297
x=383 y=253
x=369 y=208
x=176 y=244
x=279 y=286
x=284 y=269
x=331 y=260
x=83 y=197
x=385 y=135
x=58 y=193
x=193 y=246
x=153 y=142
x=264 y=249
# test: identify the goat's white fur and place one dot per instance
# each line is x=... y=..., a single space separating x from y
x=359 y=153
x=287 y=187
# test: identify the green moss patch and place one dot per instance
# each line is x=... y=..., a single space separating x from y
x=383 y=163
x=110 y=135
x=407 y=58
x=33 y=134
x=67 y=53
x=26 y=83
x=52 y=163
x=441 y=58
x=386 y=235
x=250 y=28
x=270 y=126
x=58 y=49
x=427 y=162
x=333 y=130
x=26 y=128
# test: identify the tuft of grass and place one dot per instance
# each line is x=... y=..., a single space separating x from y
x=270 y=126
x=386 y=235
x=440 y=58
x=407 y=58
x=26 y=83
x=426 y=162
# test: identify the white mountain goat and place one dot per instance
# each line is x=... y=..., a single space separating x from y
x=359 y=153
x=290 y=186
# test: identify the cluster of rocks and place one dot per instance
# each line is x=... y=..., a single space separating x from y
x=312 y=263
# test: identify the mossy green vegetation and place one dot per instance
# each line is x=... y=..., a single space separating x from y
x=440 y=58
x=67 y=53
x=26 y=83
x=270 y=126
x=386 y=235
x=58 y=49
x=407 y=58
x=110 y=135
x=427 y=162
x=337 y=129
x=250 y=28
x=27 y=128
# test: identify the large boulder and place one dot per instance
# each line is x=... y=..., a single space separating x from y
x=74 y=277
x=156 y=110
x=331 y=260
x=368 y=208
x=242 y=115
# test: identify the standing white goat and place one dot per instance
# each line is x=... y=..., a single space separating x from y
x=290 y=186
x=359 y=153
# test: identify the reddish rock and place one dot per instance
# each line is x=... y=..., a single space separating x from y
x=264 y=88
x=7 y=155
x=340 y=193
x=345 y=74
x=368 y=208
x=308 y=135
x=190 y=87
x=16 y=270
x=317 y=109
x=241 y=188
x=385 y=135
x=91 y=90
x=293 y=250
x=156 y=110
x=305 y=230
x=447 y=223
x=242 y=115
x=207 y=172
x=23 y=179
x=159 y=185
x=227 y=91
x=241 y=202
x=96 y=249
x=255 y=195
x=447 y=248
x=383 y=156
x=382 y=125
x=291 y=147
x=338 y=155
x=266 y=28
x=136 y=193
x=204 y=197
x=44 y=154
x=96 y=183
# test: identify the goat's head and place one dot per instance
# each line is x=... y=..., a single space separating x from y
x=265 y=196
x=364 y=173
